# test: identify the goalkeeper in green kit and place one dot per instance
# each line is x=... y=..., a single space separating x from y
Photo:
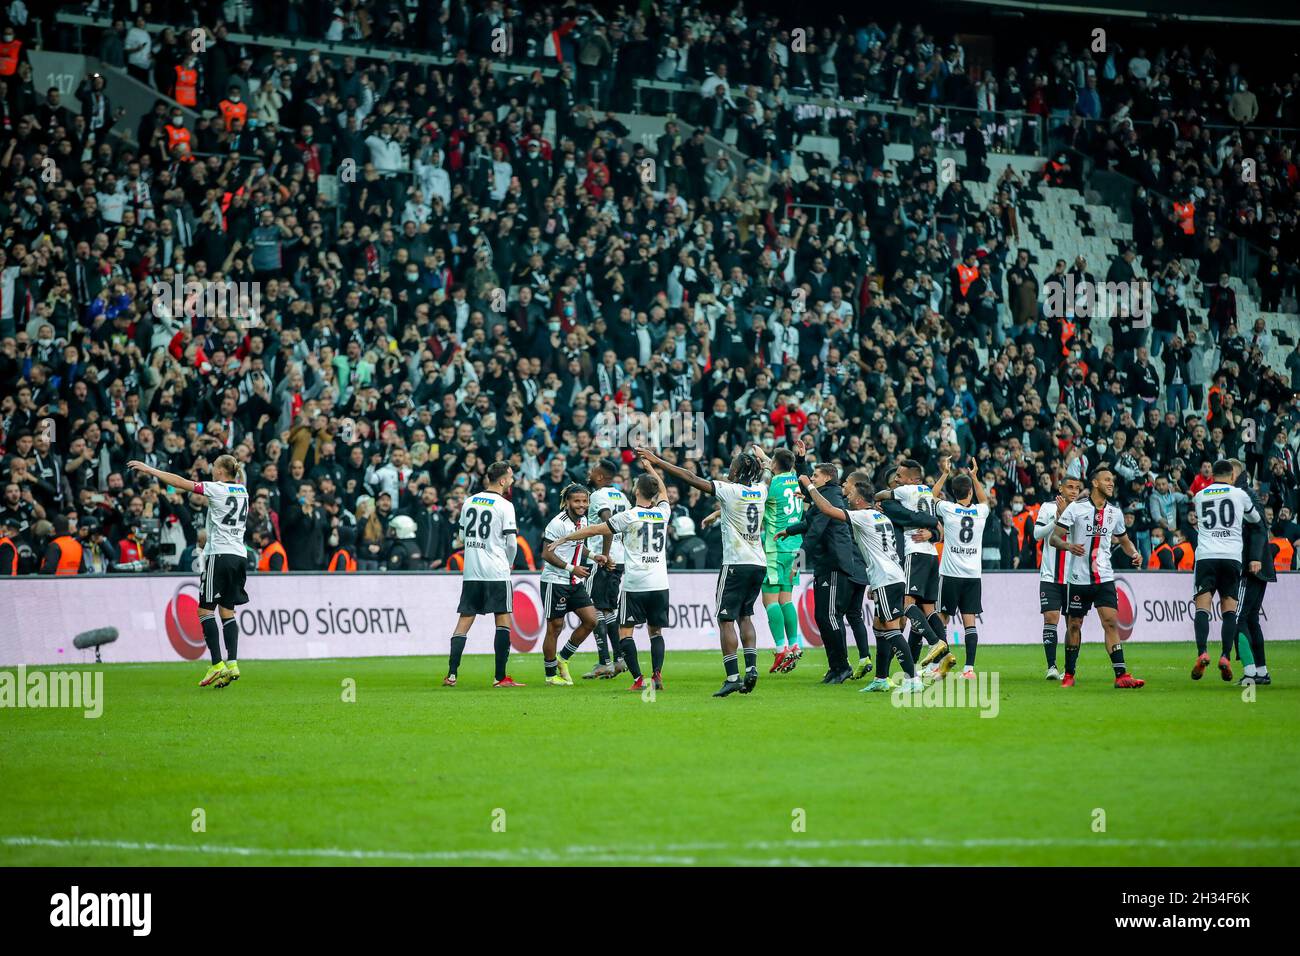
x=784 y=507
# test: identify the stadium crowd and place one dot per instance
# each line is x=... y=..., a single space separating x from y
x=475 y=291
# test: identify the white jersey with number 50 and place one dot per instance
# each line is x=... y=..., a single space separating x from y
x=645 y=546
x=227 y=515
x=1221 y=512
x=963 y=538
x=487 y=523
x=742 y=522
x=916 y=498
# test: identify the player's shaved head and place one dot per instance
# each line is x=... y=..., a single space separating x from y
x=860 y=489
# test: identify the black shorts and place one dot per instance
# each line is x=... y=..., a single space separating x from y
x=558 y=598
x=486 y=597
x=643 y=607
x=604 y=588
x=922 y=572
x=221 y=581
x=1221 y=576
x=962 y=596
x=888 y=601
x=1082 y=598
x=1051 y=596
x=832 y=598
x=739 y=586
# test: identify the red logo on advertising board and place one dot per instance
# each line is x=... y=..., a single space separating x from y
x=181 y=620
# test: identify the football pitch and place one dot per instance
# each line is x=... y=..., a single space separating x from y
x=282 y=769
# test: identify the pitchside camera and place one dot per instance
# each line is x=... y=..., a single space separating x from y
x=96 y=638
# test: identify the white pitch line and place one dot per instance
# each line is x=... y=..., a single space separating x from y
x=521 y=855
x=682 y=854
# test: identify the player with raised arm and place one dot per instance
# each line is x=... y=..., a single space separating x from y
x=1052 y=579
x=643 y=598
x=874 y=535
x=1086 y=529
x=563 y=587
x=1222 y=509
x=784 y=507
x=909 y=503
x=487 y=524
x=223 y=567
x=606 y=578
x=744 y=563
x=961 y=589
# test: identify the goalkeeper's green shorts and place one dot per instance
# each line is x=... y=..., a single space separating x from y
x=781 y=574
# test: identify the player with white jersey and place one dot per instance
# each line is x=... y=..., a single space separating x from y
x=488 y=529
x=910 y=504
x=1052 y=569
x=961 y=586
x=1086 y=529
x=643 y=531
x=224 y=565
x=743 y=499
x=1222 y=510
x=564 y=571
x=876 y=541
x=606 y=555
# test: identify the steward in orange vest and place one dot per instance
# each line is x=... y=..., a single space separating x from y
x=1162 y=556
x=273 y=558
x=186 y=90
x=1285 y=555
x=10 y=52
x=64 y=554
x=342 y=561
x=232 y=109
x=177 y=134
x=8 y=556
x=966 y=274
x=1185 y=556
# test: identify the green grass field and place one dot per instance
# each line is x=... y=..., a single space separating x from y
x=286 y=772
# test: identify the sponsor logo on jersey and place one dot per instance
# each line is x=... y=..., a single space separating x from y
x=650 y=515
x=751 y=494
x=483 y=501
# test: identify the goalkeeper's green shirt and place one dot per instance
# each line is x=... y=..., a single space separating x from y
x=784 y=507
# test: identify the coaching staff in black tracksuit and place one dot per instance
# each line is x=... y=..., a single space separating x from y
x=837 y=565
x=1257 y=570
